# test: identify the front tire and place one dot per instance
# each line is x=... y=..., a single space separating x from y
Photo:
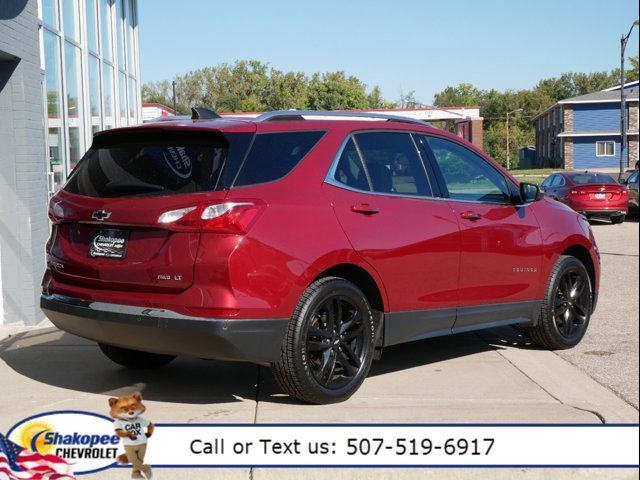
x=329 y=345
x=134 y=359
x=618 y=219
x=566 y=308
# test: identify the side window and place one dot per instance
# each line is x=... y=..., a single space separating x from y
x=274 y=155
x=633 y=178
x=547 y=181
x=349 y=170
x=392 y=163
x=558 y=181
x=467 y=175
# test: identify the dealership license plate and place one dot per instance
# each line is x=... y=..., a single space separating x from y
x=109 y=243
x=601 y=196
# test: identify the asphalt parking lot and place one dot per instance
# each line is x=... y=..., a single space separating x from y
x=491 y=376
x=609 y=351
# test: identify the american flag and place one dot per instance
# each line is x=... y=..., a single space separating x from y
x=17 y=463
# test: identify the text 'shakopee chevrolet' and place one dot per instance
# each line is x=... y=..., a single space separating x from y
x=307 y=241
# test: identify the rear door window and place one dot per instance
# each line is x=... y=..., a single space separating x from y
x=157 y=163
x=274 y=155
x=392 y=163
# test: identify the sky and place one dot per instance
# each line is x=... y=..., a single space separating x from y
x=399 y=45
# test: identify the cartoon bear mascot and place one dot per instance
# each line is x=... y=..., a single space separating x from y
x=134 y=431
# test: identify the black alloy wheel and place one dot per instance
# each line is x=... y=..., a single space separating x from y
x=572 y=303
x=567 y=306
x=335 y=342
x=329 y=344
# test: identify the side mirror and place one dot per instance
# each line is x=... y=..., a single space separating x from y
x=529 y=192
x=624 y=181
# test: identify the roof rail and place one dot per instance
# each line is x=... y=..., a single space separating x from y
x=202 y=112
x=281 y=115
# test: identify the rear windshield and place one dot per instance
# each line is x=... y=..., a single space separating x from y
x=162 y=163
x=167 y=163
x=586 y=178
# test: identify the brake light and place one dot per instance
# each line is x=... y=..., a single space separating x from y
x=56 y=212
x=228 y=217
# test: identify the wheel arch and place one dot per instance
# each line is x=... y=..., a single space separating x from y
x=582 y=253
x=360 y=278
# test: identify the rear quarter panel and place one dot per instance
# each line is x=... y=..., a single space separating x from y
x=295 y=239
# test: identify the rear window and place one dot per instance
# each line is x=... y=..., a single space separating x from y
x=161 y=163
x=586 y=178
x=274 y=155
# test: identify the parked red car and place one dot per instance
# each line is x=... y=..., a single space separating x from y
x=590 y=193
x=307 y=243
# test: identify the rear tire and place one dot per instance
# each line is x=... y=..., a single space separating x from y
x=618 y=219
x=329 y=345
x=134 y=358
x=566 y=308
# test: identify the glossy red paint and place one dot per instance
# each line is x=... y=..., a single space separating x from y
x=421 y=253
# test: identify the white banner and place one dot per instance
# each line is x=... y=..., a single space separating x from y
x=393 y=445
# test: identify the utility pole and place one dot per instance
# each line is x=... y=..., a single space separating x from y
x=173 y=85
x=623 y=101
x=508 y=114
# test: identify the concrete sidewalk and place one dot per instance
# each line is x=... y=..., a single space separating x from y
x=495 y=376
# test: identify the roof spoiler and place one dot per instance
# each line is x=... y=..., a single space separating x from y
x=198 y=113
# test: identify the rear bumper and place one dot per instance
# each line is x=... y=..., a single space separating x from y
x=613 y=212
x=167 y=332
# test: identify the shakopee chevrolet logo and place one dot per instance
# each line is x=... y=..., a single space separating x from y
x=100 y=215
x=85 y=440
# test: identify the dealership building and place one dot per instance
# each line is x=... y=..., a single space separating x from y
x=68 y=68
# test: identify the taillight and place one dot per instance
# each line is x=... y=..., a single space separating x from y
x=577 y=192
x=228 y=217
x=56 y=212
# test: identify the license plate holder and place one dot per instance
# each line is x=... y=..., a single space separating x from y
x=109 y=243
x=600 y=196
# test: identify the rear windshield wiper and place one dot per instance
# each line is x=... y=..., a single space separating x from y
x=132 y=187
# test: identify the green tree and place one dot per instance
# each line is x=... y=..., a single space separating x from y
x=336 y=91
x=464 y=95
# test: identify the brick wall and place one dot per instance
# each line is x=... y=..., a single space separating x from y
x=633 y=151
x=567 y=152
x=23 y=194
x=567 y=118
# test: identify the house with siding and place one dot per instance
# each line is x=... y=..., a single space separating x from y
x=583 y=132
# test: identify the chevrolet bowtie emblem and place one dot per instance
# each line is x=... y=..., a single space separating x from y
x=100 y=215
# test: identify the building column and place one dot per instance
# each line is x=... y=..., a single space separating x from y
x=567 y=153
x=24 y=226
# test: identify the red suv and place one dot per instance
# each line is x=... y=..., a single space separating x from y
x=307 y=241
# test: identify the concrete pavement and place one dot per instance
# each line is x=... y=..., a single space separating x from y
x=493 y=377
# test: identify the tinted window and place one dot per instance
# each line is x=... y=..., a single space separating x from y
x=547 y=181
x=467 y=175
x=349 y=170
x=558 y=181
x=392 y=163
x=633 y=178
x=154 y=164
x=585 y=178
x=274 y=155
